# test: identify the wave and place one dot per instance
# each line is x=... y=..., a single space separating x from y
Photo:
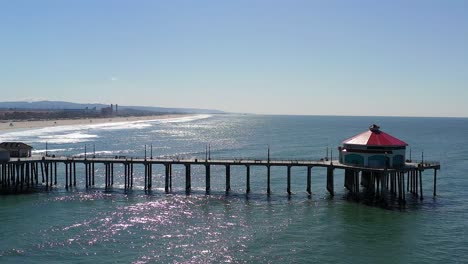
x=75 y=133
x=185 y=118
x=140 y=124
x=75 y=137
x=39 y=151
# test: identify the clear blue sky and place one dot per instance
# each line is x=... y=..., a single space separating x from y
x=405 y=58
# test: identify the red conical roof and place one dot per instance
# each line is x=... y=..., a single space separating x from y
x=375 y=137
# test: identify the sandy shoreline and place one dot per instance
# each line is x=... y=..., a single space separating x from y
x=5 y=125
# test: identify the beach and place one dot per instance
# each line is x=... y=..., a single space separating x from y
x=18 y=125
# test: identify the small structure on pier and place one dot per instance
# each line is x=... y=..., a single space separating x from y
x=373 y=148
x=17 y=149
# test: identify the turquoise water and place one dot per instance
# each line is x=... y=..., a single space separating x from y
x=136 y=227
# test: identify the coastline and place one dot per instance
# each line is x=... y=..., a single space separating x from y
x=17 y=125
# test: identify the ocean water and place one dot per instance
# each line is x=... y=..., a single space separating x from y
x=98 y=226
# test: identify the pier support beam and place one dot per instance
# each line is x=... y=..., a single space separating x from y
x=420 y=185
x=188 y=178
x=435 y=182
x=146 y=176
x=330 y=182
x=150 y=176
x=289 y=181
x=66 y=175
x=247 y=188
x=46 y=170
x=228 y=178
x=170 y=177
x=402 y=186
x=416 y=178
x=408 y=181
x=125 y=175
x=348 y=179
x=268 y=179
x=383 y=183
x=166 y=184
x=111 y=174
x=207 y=178
x=309 y=176
x=131 y=175
x=74 y=173
x=92 y=172
x=22 y=176
x=42 y=171
x=356 y=183
x=86 y=175
x=55 y=173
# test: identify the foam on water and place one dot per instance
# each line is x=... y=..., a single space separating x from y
x=123 y=125
x=84 y=132
x=184 y=119
x=40 y=151
x=75 y=137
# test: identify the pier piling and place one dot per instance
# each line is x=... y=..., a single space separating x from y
x=228 y=178
x=247 y=188
x=420 y=185
x=166 y=183
x=330 y=183
x=188 y=178
x=207 y=178
x=268 y=179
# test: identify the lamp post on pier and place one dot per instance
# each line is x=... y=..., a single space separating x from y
x=268 y=153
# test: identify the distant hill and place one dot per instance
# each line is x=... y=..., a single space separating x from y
x=57 y=105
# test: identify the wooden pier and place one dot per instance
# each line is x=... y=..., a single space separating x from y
x=25 y=174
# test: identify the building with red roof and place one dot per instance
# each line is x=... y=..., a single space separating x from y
x=373 y=148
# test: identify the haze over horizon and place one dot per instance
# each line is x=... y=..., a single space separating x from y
x=364 y=58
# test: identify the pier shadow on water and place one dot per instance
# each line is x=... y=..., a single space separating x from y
x=389 y=201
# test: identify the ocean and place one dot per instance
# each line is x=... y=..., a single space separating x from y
x=117 y=226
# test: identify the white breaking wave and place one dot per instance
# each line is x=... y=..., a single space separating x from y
x=75 y=137
x=184 y=119
x=82 y=133
x=38 y=151
x=122 y=125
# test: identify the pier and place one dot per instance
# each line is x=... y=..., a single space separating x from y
x=373 y=162
x=24 y=174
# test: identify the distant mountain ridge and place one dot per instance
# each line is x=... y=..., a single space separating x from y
x=57 y=105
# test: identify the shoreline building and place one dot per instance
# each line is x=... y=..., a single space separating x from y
x=374 y=149
x=110 y=110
